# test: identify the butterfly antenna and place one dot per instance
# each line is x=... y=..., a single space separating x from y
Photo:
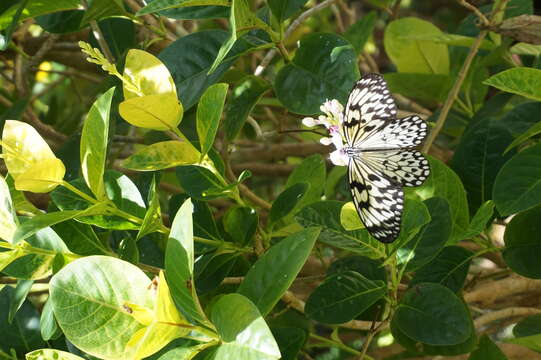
x=302 y=130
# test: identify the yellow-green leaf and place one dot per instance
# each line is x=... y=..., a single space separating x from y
x=29 y=159
x=522 y=81
x=349 y=218
x=158 y=112
x=209 y=112
x=149 y=73
x=7 y=257
x=8 y=220
x=51 y=354
x=163 y=155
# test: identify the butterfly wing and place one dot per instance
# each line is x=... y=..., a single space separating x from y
x=369 y=109
x=406 y=132
x=407 y=167
x=378 y=199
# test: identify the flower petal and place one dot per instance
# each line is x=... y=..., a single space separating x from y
x=339 y=158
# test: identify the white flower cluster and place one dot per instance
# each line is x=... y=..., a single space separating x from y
x=332 y=120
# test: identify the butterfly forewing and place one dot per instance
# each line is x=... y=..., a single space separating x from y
x=381 y=160
x=369 y=109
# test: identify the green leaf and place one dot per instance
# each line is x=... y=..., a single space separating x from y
x=430 y=239
x=535 y=129
x=312 y=171
x=241 y=20
x=209 y=112
x=48 y=325
x=414 y=217
x=528 y=333
x=179 y=262
x=519 y=80
x=157 y=111
x=243 y=331
x=162 y=155
x=290 y=340
x=211 y=269
x=197 y=12
x=62 y=22
x=244 y=97
x=5 y=39
x=327 y=215
x=369 y=268
x=102 y=9
x=160 y=5
x=518 y=184
x=359 y=33
x=342 y=297
x=434 y=315
x=95 y=307
x=480 y=219
x=153 y=218
x=522 y=243
x=451 y=40
x=94 y=139
x=199 y=182
x=36 y=8
x=487 y=350
x=415 y=56
x=241 y=223
x=287 y=201
x=349 y=218
x=284 y=9
x=273 y=273
x=51 y=354
x=443 y=182
x=190 y=57
x=479 y=157
x=21 y=291
x=449 y=268
x=8 y=220
x=324 y=67
x=23 y=333
x=80 y=238
x=427 y=87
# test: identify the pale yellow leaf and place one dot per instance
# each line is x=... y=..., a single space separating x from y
x=158 y=112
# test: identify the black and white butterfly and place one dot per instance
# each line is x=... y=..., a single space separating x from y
x=381 y=158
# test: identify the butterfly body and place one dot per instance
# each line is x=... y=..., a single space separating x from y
x=381 y=158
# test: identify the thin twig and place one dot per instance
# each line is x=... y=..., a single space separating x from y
x=454 y=91
x=504 y=314
x=475 y=10
x=294 y=25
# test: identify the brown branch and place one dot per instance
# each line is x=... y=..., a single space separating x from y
x=504 y=314
x=258 y=168
x=488 y=293
x=279 y=151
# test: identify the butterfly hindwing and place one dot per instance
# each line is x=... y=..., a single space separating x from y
x=399 y=133
x=378 y=200
x=370 y=107
x=407 y=167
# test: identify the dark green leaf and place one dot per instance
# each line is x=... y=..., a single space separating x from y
x=359 y=33
x=61 y=22
x=80 y=238
x=430 y=239
x=240 y=222
x=479 y=157
x=48 y=325
x=283 y=9
x=128 y=251
x=153 y=217
x=324 y=67
x=286 y=201
x=528 y=326
x=244 y=97
x=36 y=8
x=414 y=217
x=197 y=12
x=243 y=331
x=290 y=340
x=209 y=112
x=273 y=273
x=119 y=34
x=518 y=184
x=434 y=315
x=199 y=182
x=487 y=350
x=343 y=296
x=102 y=9
x=427 y=87
x=21 y=291
x=480 y=219
x=23 y=333
x=5 y=39
x=311 y=171
x=523 y=244
x=211 y=269
x=160 y=5
x=449 y=268
x=369 y=268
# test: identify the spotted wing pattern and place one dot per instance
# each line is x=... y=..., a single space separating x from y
x=369 y=109
x=381 y=158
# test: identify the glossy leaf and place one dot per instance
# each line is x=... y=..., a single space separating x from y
x=94 y=139
x=443 y=182
x=157 y=112
x=160 y=5
x=245 y=96
x=312 y=171
x=29 y=159
x=34 y=8
x=528 y=333
x=162 y=155
x=179 y=264
x=86 y=306
x=8 y=220
x=51 y=354
x=324 y=67
x=283 y=9
x=211 y=269
x=369 y=268
x=430 y=239
x=197 y=12
x=343 y=296
x=5 y=39
x=359 y=33
x=240 y=222
x=349 y=218
x=415 y=56
x=287 y=201
x=433 y=314
x=102 y=9
x=243 y=330
x=449 y=268
x=48 y=325
x=487 y=350
x=479 y=157
x=517 y=186
x=209 y=112
x=519 y=80
x=19 y=295
x=153 y=218
x=522 y=243
x=480 y=219
x=199 y=182
x=273 y=272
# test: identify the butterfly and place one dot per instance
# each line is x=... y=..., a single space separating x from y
x=381 y=159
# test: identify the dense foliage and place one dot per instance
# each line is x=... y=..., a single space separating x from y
x=162 y=199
